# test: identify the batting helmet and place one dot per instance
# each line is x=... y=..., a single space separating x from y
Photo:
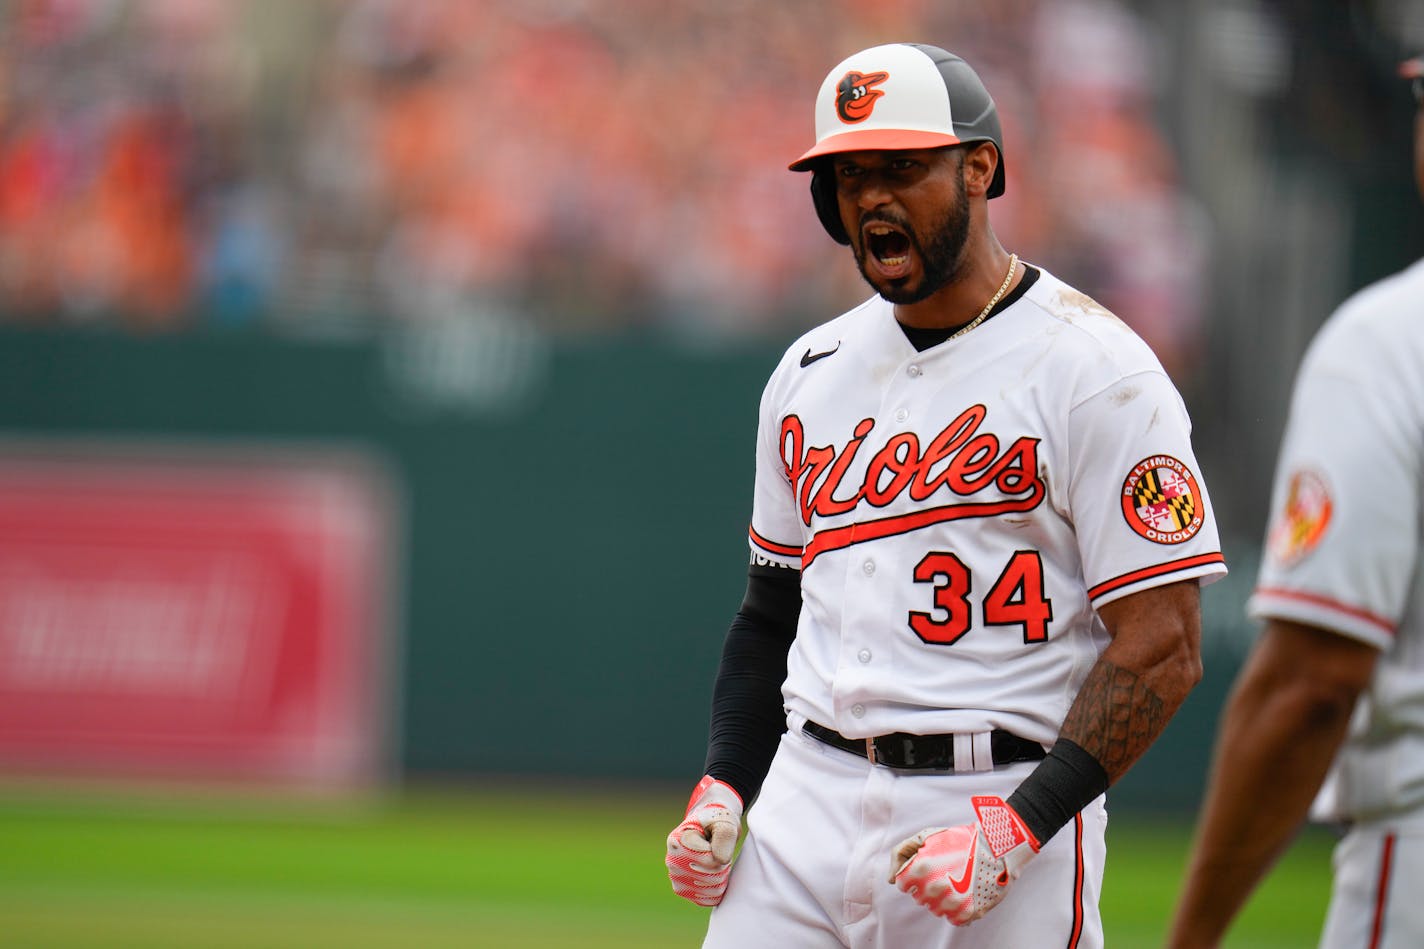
x=899 y=96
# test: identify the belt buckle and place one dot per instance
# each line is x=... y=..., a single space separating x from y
x=870 y=750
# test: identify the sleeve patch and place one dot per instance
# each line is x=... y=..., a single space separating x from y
x=1301 y=522
x=1161 y=500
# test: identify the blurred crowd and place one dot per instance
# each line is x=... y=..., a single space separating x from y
x=594 y=165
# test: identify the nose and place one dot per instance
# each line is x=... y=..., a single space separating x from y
x=873 y=192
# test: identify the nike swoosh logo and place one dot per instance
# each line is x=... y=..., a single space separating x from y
x=961 y=886
x=807 y=358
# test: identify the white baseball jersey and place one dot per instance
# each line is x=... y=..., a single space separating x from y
x=959 y=513
x=1343 y=549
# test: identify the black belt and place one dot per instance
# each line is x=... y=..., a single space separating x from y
x=924 y=752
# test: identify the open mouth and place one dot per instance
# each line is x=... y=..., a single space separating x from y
x=888 y=245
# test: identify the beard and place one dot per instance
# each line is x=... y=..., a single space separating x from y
x=941 y=259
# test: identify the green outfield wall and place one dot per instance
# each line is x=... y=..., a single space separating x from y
x=574 y=522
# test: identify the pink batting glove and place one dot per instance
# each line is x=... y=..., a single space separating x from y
x=961 y=873
x=699 y=850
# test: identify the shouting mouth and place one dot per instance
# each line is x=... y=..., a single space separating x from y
x=889 y=248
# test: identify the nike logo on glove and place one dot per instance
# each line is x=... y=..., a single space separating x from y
x=961 y=886
x=807 y=358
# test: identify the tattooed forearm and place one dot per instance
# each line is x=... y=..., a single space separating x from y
x=1115 y=717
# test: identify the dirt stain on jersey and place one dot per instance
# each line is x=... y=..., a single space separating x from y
x=1124 y=395
x=1073 y=302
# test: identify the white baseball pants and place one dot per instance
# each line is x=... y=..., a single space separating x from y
x=813 y=871
x=1374 y=901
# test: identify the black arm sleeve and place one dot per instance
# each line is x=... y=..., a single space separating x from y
x=747 y=714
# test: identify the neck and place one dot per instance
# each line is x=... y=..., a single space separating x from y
x=963 y=298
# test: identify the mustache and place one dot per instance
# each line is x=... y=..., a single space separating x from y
x=883 y=217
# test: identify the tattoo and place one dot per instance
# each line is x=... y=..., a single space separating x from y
x=1115 y=717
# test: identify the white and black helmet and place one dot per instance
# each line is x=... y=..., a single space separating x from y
x=892 y=97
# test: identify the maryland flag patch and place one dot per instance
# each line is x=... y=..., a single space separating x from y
x=1161 y=500
x=1302 y=521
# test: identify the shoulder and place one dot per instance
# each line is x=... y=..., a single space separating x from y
x=1097 y=347
x=1379 y=326
x=1399 y=292
x=1090 y=324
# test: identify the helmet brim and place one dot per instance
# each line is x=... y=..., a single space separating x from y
x=872 y=140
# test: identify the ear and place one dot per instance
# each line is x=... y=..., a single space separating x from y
x=980 y=162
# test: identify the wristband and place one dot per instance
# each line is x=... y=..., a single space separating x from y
x=1067 y=780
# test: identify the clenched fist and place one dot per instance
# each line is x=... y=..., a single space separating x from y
x=699 y=850
x=962 y=872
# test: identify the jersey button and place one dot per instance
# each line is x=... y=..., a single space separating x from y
x=858 y=711
x=913 y=371
x=869 y=568
x=863 y=655
x=902 y=414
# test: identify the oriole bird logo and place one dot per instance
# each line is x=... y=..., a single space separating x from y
x=856 y=95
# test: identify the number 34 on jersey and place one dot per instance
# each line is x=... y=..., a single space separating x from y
x=960 y=459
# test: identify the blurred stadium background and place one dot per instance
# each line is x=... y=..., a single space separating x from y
x=377 y=384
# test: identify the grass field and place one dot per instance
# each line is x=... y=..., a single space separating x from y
x=467 y=869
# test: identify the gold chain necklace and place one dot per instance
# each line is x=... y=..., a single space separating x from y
x=1008 y=278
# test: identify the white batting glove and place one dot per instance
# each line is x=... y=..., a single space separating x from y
x=699 y=850
x=961 y=873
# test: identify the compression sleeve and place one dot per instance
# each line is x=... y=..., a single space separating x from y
x=747 y=714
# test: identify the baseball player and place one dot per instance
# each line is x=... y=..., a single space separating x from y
x=977 y=536
x=1330 y=704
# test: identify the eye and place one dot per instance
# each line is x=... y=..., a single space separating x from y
x=849 y=171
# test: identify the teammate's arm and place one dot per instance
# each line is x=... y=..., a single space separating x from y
x=1286 y=718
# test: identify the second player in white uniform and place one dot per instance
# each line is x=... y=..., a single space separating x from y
x=1347 y=556
x=1332 y=696
x=993 y=529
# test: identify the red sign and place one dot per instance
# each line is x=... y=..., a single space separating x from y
x=199 y=618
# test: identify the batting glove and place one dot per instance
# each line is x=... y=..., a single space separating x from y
x=699 y=850
x=961 y=873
